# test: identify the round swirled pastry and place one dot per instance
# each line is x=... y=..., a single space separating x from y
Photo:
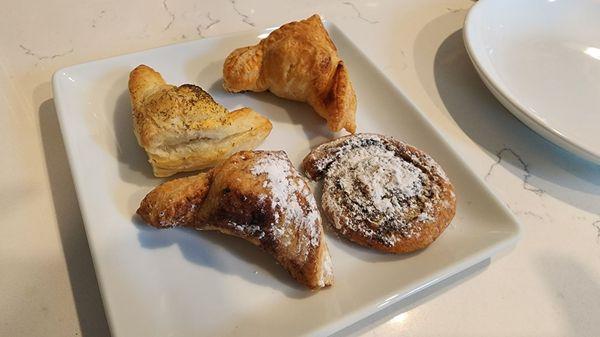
x=382 y=193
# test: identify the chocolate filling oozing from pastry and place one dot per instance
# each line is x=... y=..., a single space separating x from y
x=382 y=193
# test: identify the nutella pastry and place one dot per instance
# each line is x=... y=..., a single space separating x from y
x=257 y=196
x=382 y=193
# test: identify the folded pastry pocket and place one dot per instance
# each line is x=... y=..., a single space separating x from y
x=257 y=196
x=183 y=129
x=300 y=62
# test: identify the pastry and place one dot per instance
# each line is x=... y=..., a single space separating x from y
x=298 y=61
x=184 y=129
x=382 y=193
x=257 y=196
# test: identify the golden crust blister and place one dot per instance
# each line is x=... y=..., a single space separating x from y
x=184 y=129
x=298 y=61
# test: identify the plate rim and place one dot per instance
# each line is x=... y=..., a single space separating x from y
x=504 y=95
x=513 y=235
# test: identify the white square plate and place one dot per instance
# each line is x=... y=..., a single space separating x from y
x=183 y=283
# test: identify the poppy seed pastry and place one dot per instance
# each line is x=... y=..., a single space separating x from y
x=382 y=193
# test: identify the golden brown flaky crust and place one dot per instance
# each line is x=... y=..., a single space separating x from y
x=406 y=213
x=257 y=196
x=298 y=61
x=184 y=129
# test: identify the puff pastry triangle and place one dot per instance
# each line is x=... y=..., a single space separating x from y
x=184 y=129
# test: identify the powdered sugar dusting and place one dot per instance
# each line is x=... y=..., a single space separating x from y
x=294 y=207
x=251 y=230
x=327 y=271
x=371 y=190
x=377 y=174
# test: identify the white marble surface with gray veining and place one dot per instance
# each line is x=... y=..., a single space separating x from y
x=549 y=285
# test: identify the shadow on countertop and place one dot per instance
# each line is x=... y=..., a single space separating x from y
x=453 y=84
x=86 y=293
x=575 y=291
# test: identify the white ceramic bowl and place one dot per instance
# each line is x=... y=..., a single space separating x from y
x=541 y=59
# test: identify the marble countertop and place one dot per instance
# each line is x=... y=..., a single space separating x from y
x=549 y=284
